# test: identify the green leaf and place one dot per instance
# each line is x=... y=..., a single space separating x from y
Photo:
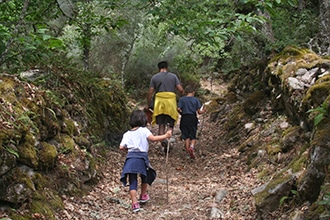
x=55 y=43
x=318 y=119
x=12 y=151
x=282 y=200
x=292 y=3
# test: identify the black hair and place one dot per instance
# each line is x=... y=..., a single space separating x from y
x=138 y=119
x=162 y=65
x=189 y=89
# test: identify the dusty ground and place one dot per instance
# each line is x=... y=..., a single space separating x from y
x=184 y=188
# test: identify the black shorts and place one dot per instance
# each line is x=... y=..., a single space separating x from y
x=188 y=132
x=165 y=120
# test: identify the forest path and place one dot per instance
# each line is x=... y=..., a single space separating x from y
x=193 y=188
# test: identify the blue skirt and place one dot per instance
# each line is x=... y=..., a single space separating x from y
x=138 y=162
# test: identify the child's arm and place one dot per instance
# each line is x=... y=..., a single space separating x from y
x=201 y=110
x=160 y=137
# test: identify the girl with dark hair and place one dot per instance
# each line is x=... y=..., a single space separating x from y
x=135 y=142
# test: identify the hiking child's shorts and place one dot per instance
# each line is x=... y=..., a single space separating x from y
x=188 y=132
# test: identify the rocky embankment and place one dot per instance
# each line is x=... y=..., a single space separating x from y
x=50 y=127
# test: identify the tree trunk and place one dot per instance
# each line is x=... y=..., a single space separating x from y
x=86 y=45
x=127 y=55
x=324 y=25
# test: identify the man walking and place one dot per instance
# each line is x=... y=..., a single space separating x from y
x=164 y=104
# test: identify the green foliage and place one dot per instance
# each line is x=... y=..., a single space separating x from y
x=326 y=199
x=321 y=113
x=209 y=25
x=12 y=151
x=92 y=19
x=268 y=5
x=285 y=198
x=123 y=40
x=301 y=26
x=26 y=37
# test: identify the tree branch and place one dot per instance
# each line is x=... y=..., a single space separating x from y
x=3 y=55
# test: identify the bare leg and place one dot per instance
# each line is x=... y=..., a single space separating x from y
x=144 y=187
x=133 y=196
x=187 y=144
x=161 y=129
x=193 y=142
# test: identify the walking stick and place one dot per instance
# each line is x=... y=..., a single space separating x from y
x=166 y=168
x=202 y=123
x=167 y=152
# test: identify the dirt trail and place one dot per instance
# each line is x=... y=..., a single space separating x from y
x=192 y=184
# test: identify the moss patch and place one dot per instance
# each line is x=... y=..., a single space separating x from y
x=321 y=136
x=47 y=155
x=316 y=94
x=27 y=151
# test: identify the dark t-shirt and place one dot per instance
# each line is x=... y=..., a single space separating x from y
x=189 y=105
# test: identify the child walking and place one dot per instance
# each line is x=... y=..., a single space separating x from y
x=135 y=141
x=188 y=107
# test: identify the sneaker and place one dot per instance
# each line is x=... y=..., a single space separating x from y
x=135 y=207
x=144 y=198
x=192 y=153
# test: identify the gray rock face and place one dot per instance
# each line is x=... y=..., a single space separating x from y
x=301 y=89
x=7 y=161
x=17 y=186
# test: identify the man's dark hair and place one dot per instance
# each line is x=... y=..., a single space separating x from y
x=138 y=119
x=162 y=65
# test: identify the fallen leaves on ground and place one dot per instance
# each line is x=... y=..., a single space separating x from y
x=184 y=188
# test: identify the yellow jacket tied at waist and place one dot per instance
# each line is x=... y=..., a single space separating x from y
x=165 y=103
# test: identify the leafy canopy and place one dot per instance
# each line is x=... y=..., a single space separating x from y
x=209 y=25
x=25 y=34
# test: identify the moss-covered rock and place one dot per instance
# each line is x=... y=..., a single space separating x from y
x=17 y=186
x=47 y=154
x=27 y=151
x=289 y=138
x=7 y=90
x=251 y=103
x=320 y=158
x=69 y=127
x=316 y=94
x=288 y=86
x=67 y=143
x=7 y=159
x=53 y=125
x=299 y=88
x=82 y=141
x=268 y=197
